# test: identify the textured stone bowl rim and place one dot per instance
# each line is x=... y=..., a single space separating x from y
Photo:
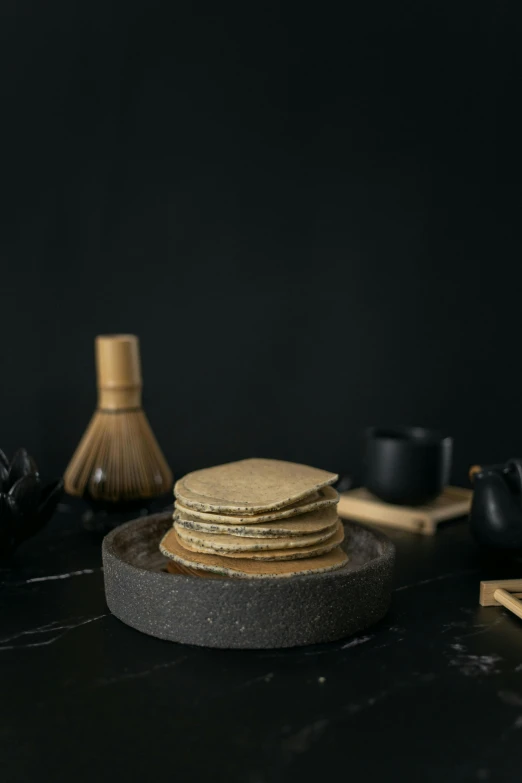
x=109 y=545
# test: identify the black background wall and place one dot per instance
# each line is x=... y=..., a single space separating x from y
x=309 y=214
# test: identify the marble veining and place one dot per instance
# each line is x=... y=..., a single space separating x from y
x=54 y=577
x=139 y=674
x=355 y=642
x=439 y=578
x=52 y=628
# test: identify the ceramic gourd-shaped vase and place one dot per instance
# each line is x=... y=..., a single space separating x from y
x=496 y=511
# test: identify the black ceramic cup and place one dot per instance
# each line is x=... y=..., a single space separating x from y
x=408 y=466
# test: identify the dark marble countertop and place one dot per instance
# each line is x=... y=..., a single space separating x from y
x=433 y=693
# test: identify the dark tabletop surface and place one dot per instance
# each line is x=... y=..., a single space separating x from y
x=432 y=693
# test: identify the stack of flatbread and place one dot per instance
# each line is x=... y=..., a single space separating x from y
x=255 y=518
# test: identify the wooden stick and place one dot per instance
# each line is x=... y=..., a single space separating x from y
x=487 y=590
x=509 y=601
x=360 y=505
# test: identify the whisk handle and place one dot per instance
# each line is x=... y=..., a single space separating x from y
x=118 y=370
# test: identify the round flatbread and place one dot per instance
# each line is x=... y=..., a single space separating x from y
x=223 y=544
x=250 y=569
x=305 y=524
x=314 y=550
x=327 y=497
x=177 y=568
x=250 y=486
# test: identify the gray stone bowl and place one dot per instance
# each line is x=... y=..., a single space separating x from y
x=244 y=613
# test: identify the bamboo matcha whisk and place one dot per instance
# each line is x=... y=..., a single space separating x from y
x=118 y=459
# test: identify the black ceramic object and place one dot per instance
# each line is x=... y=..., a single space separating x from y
x=496 y=510
x=408 y=466
x=25 y=505
x=344 y=484
x=244 y=613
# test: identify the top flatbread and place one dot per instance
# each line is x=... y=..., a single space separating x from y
x=250 y=486
x=327 y=497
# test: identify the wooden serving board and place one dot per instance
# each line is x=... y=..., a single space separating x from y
x=362 y=506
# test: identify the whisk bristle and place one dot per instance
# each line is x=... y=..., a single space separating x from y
x=118 y=459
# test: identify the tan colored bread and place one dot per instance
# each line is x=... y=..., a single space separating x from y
x=225 y=543
x=305 y=524
x=250 y=569
x=250 y=486
x=298 y=553
x=327 y=497
x=178 y=569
